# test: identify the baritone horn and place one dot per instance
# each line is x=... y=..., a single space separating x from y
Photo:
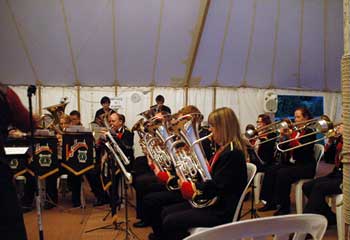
x=194 y=168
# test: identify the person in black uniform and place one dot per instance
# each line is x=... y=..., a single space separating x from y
x=125 y=139
x=317 y=189
x=105 y=102
x=261 y=148
x=159 y=106
x=12 y=112
x=300 y=164
x=229 y=177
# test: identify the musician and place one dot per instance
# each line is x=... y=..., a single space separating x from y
x=105 y=110
x=261 y=149
x=149 y=182
x=125 y=139
x=317 y=189
x=160 y=107
x=12 y=112
x=301 y=164
x=229 y=177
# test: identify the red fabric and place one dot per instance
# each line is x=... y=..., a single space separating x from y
x=119 y=135
x=19 y=114
x=296 y=136
x=214 y=159
x=163 y=177
x=339 y=148
x=188 y=190
x=151 y=166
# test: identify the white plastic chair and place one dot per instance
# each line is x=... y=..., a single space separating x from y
x=299 y=197
x=337 y=203
x=251 y=170
x=263 y=228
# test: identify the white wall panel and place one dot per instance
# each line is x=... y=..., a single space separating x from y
x=202 y=98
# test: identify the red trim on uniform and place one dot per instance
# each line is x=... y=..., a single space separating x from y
x=163 y=177
x=151 y=166
x=188 y=189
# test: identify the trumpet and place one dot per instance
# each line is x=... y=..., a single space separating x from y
x=319 y=125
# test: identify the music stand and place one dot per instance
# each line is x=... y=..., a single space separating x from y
x=16 y=158
x=30 y=92
x=113 y=210
x=77 y=156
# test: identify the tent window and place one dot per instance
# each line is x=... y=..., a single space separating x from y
x=288 y=103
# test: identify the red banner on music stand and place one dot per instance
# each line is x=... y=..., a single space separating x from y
x=77 y=152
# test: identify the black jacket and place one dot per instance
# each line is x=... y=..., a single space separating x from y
x=229 y=178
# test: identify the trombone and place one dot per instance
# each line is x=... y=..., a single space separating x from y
x=320 y=125
x=275 y=127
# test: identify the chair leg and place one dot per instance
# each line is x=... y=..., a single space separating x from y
x=257 y=187
x=340 y=219
x=299 y=197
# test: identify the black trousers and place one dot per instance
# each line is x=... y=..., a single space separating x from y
x=11 y=219
x=316 y=191
x=279 y=179
x=145 y=184
x=153 y=205
x=178 y=218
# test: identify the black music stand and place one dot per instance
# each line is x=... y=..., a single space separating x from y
x=16 y=158
x=113 y=204
x=77 y=157
x=30 y=92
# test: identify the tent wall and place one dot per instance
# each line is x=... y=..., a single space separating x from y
x=248 y=103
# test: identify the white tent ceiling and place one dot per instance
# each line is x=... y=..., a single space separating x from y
x=255 y=43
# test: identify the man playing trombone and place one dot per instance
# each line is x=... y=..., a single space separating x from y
x=301 y=164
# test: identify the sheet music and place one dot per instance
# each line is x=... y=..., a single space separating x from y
x=16 y=150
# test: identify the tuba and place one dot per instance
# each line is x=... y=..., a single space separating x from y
x=193 y=167
x=52 y=120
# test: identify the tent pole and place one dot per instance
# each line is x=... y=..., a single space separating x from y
x=345 y=76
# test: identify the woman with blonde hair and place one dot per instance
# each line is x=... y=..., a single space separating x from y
x=229 y=177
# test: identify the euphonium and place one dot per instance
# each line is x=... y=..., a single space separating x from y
x=157 y=126
x=194 y=168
